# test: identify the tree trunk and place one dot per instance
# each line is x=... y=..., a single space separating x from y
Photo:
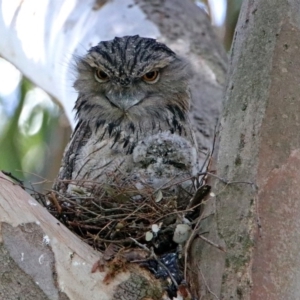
x=257 y=217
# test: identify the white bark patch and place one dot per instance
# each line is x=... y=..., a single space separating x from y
x=46 y=240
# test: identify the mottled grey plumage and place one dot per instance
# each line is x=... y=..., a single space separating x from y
x=132 y=106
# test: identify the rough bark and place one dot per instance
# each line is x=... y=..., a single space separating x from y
x=259 y=222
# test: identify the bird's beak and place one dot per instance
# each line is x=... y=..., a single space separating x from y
x=124 y=102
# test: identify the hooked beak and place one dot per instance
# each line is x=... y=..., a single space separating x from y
x=124 y=102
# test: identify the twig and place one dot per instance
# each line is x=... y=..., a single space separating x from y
x=188 y=244
x=177 y=212
x=211 y=243
x=165 y=186
x=72 y=202
x=204 y=280
x=215 y=138
x=97 y=238
x=9 y=174
x=40 y=182
x=152 y=254
x=30 y=173
x=136 y=210
x=226 y=181
x=53 y=199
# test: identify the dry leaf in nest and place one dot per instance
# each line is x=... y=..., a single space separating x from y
x=110 y=252
x=98 y=265
x=184 y=292
x=114 y=267
x=134 y=254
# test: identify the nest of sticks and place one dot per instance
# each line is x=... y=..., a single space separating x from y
x=120 y=213
x=129 y=224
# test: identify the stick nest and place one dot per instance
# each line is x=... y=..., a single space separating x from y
x=118 y=211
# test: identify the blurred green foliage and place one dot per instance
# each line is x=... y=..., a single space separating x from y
x=232 y=15
x=22 y=149
x=10 y=148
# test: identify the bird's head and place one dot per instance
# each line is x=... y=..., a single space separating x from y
x=132 y=78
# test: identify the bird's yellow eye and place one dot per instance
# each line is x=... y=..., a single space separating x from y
x=101 y=76
x=151 y=76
